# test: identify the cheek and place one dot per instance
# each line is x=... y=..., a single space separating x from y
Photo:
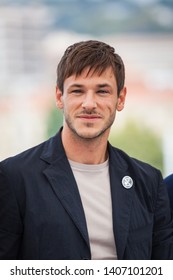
x=70 y=105
x=112 y=105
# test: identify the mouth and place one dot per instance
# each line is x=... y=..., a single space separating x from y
x=89 y=117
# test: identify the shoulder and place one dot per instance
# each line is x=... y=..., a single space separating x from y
x=25 y=160
x=24 y=157
x=169 y=181
x=49 y=149
x=139 y=169
x=128 y=160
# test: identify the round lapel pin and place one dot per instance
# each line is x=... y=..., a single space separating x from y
x=127 y=182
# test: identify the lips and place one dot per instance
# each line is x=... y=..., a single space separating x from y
x=89 y=117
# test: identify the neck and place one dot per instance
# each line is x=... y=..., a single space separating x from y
x=87 y=151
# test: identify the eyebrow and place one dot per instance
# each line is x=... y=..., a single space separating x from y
x=103 y=85
x=98 y=85
x=76 y=85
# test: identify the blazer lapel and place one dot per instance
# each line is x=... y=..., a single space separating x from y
x=62 y=181
x=122 y=198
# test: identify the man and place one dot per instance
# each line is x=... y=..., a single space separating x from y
x=169 y=182
x=75 y=196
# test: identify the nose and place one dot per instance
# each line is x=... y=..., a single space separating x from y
x=89 y=102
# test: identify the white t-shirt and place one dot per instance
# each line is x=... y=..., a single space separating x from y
x=94 y=188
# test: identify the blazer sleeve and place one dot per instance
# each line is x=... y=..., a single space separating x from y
x=163 y=225
x=10 y=219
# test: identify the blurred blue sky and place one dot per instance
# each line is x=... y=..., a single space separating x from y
x=106 y=16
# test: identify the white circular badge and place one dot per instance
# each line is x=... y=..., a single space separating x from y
x=127 y=182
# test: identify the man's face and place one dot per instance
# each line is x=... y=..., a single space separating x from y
x=89 y=103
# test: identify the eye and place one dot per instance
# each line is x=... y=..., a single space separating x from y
x=76 y=91
x=103 y=91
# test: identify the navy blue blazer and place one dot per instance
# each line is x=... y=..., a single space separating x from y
x=41 y=214
x=169 y=182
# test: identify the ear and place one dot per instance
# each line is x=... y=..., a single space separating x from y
x=59 y=97
x=121 y=99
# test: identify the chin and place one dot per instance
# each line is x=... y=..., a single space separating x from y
x=89 y=135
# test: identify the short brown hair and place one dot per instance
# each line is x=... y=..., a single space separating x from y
x=93 y=54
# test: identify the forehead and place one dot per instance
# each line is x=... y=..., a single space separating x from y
x=91 y=74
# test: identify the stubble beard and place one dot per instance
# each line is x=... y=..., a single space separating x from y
x=90 y=136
